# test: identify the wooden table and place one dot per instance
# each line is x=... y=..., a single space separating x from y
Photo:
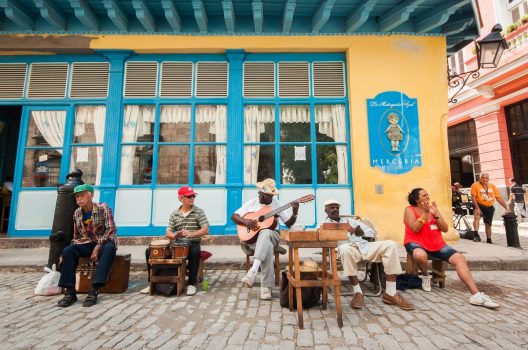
x=327 y=279
x=178 y=278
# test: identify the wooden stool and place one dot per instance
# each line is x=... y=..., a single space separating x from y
x=437 y=269
x=178 y=279
x=251 y=252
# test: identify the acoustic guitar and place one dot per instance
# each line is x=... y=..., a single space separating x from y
x=265 y=218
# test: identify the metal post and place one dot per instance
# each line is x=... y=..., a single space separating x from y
x=62 y=229
x=512 y=235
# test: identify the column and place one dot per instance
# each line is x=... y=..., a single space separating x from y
x=114 y=113
x=235 y=137
x=493 y=143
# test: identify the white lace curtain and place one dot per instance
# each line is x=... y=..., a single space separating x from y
x=95 y=115
x=329 y=118
x=51 y=125
x=137 y=122
x=255 y=118
x=331 y=122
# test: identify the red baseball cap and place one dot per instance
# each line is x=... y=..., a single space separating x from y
x=186 y=191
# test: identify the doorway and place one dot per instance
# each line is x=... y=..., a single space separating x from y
x=10 y=117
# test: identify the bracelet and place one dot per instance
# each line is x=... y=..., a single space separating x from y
x=420 y=220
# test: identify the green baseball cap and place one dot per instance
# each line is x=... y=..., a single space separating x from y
x=83 y=187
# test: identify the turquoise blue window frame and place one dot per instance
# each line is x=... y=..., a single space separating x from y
x=115 y=102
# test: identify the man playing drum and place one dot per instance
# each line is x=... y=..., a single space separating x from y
x=187 y=224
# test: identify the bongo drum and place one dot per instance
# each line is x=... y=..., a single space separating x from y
x=179 y=249
x=160 y=249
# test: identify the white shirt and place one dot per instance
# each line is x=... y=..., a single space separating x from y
x=254 y=205
x=362 y=244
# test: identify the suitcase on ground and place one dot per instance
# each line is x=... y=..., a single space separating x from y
x=117 y=279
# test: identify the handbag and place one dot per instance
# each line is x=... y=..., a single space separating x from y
x=407 y=281
x=311 y=296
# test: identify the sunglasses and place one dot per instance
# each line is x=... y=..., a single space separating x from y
x=191 y=196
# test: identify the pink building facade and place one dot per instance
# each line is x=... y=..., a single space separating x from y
x=488 y=125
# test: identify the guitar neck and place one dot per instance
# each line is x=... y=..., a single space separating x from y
x=278 y=210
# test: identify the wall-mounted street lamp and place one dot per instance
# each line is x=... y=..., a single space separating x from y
x=489 y=52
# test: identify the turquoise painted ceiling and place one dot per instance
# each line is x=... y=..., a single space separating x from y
x=454 y=18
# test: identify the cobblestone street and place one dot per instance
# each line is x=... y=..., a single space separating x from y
x=229 y=316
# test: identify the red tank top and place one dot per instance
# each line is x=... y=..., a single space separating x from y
x=429 y=237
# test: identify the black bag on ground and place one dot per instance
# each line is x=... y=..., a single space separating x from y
x=467 y=234
x=166 y=288
x=407 y=281
x=311 y=296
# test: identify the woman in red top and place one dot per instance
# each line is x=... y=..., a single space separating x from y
x=423 y=224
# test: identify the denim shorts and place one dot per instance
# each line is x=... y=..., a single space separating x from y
x=443 y=254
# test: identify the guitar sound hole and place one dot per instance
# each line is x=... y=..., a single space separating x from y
x=261 y=218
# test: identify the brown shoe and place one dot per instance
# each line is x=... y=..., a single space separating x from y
x=398 y=301
x=358 y=300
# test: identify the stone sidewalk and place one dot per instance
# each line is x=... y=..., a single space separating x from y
x=481 y=256
x=229 y=316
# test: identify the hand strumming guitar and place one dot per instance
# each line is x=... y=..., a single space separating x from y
x=252 y=224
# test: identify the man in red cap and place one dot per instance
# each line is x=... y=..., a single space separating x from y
x=187 y=224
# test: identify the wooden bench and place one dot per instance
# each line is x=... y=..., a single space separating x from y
x=250 y=252
x=438 y=268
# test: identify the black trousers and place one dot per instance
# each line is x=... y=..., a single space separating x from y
x=193 y=262
x=70 y=260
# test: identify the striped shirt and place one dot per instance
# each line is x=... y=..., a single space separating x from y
x=194 y=221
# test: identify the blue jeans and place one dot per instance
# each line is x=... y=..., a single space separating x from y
x=70 y=260
x=443 y=254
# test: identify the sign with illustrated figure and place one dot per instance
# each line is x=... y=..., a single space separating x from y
x=394 y=133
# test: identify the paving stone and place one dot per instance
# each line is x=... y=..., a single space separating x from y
x=305 y=338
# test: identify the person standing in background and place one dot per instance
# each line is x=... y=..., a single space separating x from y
x=484 y=194
x=517 y=197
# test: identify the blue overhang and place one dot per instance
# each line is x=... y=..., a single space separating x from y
x=456 y=19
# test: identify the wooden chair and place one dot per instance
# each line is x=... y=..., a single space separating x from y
x=251 y=252
x=438 y=268
x=6 y=205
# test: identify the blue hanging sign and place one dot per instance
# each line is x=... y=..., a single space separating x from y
x=394 y=133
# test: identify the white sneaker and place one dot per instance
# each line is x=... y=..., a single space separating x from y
x=481 y=299
x=145 y=290
x=426 y=283
x=191 y=290
x=265 y=293
x=249 y=278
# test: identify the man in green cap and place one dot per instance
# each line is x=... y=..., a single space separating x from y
x=94 y=235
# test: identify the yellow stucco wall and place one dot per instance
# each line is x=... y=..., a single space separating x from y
x=414 y=65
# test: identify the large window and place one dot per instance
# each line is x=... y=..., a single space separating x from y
x=190 y=146
x=46 y=143
x=517 y=9
x=299 y=147
x=517 y=121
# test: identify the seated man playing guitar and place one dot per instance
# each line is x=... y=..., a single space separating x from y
x=254 y=227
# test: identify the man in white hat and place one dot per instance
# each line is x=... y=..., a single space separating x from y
x=267 y=239
x=358 y=248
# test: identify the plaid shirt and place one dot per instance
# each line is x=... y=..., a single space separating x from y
x=99 y=229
